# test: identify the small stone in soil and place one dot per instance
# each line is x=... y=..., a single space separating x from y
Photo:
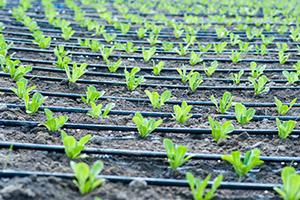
x=3 y=107
x=138 y=184
x=243 y=136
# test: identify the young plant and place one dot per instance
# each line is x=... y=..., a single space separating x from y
x=283 y=109
x=129 y=47
x=224 y=104
x=67 y=33
x=176 y=154
x=189 y=40
x=291 y=184
x=256 y=71
x=282 y=57
x=92 y=95
x=236 y=77
x=203 y=48
x=141 y=32
x=181 y=113
x=154 y=98
x=148 y=54
x=131 y=81
x=112 y=67
x=157 y=68
x=125 y=27
x=220 y=131
x=105 y=51
x=59 y=51
x=85 y=43
x=19 y=72
x=234 y=39
x=183 y=50
x=195 y=80
x=153 y=39
x=210 y=70
x=62 y=62
x=167 y=46
x=262 y=51
x=77 y=72
x=184 y=77
x=243 y=116
x=108 y=38
x=41 y=40
x=21 y=90
x=53 y=124
x=235 y=56
x=297 y=67
x=245 y=47
x=259 y=85
x=197 y=186
x=87 y=178
x=267 y=40
x=220 y=47
x=285 y=128
x=145 y=127
x=96 y=110
x=292 y=77
x=30 y=24
x=221 y=32
x=37 y=100
x=250 y=160
x=194 y=58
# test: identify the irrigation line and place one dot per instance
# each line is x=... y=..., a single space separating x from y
x=134 y=129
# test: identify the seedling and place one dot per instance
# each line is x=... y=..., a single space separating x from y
x=282 y=57
x=157 y=68
x=109 y=37
x=86 y=178
x=220 y=47
x=221 y=31
x=176 y=154
x=99 y=30
x=41 y=40
x=148 y=54
x=295 y=34
x=291 y=184
x=236 y=77
x=184 y=76
x=85 y=43
x=105 y=51
x=282 y=47
x=92 y=95
x=235 y=56
x=77 y=72
x=67 y=33
x=267 y=40
x=297 y=67
x=21 y=90
x=262 y=51
x=30 y=24
x=195 y=80
x=285 y=128
x=181 y=113
x=189 y=40
x=141 y=32
x=112 y=67
x=234 y=39
x=197 y=186
x=153 y=39
x=243 y=116
x=60 y=52
x=194 y=58
x=292 y=77
x=283 y=109
x=244 y=47
x=210 y=70
x=203 y=48
x=220 y=131
x=131 y=81
x=96 y=110
x=250 y=160
x=256 y=71
x=259 y=85
x=145 y=127
x=129 y=47
x=53 y=124
x=37 y=100
x=183 y=50
x=154 y=98
x=19 y=72
x=125 y=27
x=62 y=62
x=225 y=102
x=167 y=46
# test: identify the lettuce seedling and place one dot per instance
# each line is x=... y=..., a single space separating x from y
x=41 y=40
x=291 y=184
x=131 y=81
x=21 y=90
x=221 y=31
x=295 y=34
x=74 y=148
x=167 y=46
x=157 y=68
x=285 y=128
x=153 y=39
x=220 y=131
x=145 y=127
x=125 y=27
x=141 y=32
x=30 y=24
x=235 y=56
x=92 y=95
x=113 y=66
x=85 y=43
x=262 y=51
x=292 y=77
x=236 y=77
x=267 y=40
x=154 y=98
x=194 y=58
x=195 y=80
x=220 y=47
x=282 y=57
x=76 y=72
x=203 y=48
x=87 y=179
x=197 y=186
x=283 y=109
x=148 y=54
x=234 y=39
x=189 y=40
x=181 y=113
x=183 y=50
x=256 y=71
x=210 y=70
x=184 y=77
x=19 y=72
x=105 y=51
x=108 y=38
x=297 y=67
x=243 y=116
x=60 y=52
x=244 y=47
x=37 y=100
x=96 y=110
x=259 y=85
x=95 y=45
x=225 y=102
x=67 y=32
x=99 y=30
x=176 y=154
x=250 y=160
x=62 y=62
x=129 y=48
x=53 y=124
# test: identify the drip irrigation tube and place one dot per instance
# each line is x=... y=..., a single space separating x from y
x=134 y=129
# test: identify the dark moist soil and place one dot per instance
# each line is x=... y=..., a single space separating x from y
x=56 y=188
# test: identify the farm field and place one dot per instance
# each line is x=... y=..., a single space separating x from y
x=140 y=99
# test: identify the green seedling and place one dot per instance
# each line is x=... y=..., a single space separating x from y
x=154 y=98
x=295 y=34
x=67 y=33
x=141 y=32
x=283 y=58
x=291 y=184
x=220 y=47
x=256 y=71
x=181 y=113
x=241 y=27
x=224 y=104
x=282 y=47
x=262 y=51
x=145 y=127
x=37 y=100
x=153 y=39
x=148 y=54
x=129 y=47
x=59 y=51
x=87 y=178
x=235 y=56
x=99 y=30
x=120 y=46
x=157 y=68
x=268 y=27
x=283 y=109
x=292 y=77
x=297 y=67
x=21 y=90
x=92 y=95
x=62 y=62
x=243 y=116
x=183 y=50
x=19 y=13
x=109 y=37
x=95 y=45
x=234 y=39
x=178 y=33
x=203 y=48
x=41 y=40
x=250 y=160
x=237 y=77
x=155 y=29
x=105 y=51
x=176 y=154
x=195 y=80
x=131 y=81
x=189 y=40
x=282 y=29
x=30 y=24
x=167 y=46
x=197 y=186
x=96 y=110
x=221 y=31
x=205 y=26
x=245 y=47
x=19 y=72
x=125 y=27
x=259 y=85
x=220 y=131
x=285 y=128
x=53 y=124
x=267 y=40
x=77 y=72
x=194 y=58
x=210 y=70
x=84 y=43
x=184 y=77
x=113 y=66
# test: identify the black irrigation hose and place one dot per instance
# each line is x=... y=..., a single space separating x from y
x=150 y=181
x=134 y=129
x=133 y=153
